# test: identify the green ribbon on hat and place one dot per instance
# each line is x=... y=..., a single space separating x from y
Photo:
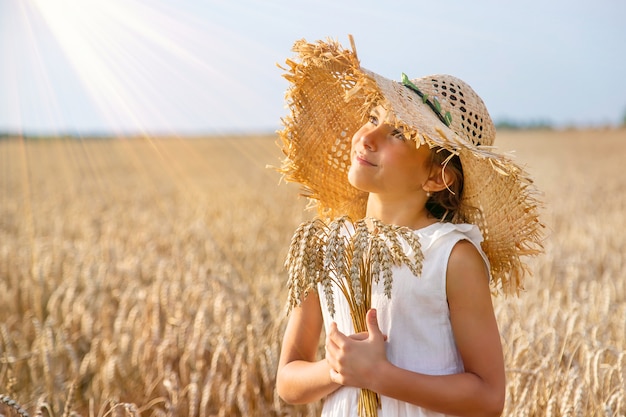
x=436 y=106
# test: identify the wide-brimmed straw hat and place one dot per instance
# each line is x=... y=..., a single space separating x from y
x=329 y=99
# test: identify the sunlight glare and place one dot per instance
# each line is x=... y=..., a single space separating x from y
x=130 y=55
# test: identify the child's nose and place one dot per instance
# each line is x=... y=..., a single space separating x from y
x=371 y=138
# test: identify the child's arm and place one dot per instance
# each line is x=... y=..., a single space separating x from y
x=479 y=391
x=300 y=378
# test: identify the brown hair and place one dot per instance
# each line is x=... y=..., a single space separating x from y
x=445 y=204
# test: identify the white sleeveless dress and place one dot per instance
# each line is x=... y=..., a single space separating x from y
x=416 y=320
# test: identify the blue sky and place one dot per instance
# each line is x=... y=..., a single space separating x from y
x=209 y=66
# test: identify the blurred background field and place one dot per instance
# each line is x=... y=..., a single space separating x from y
x=143 y=276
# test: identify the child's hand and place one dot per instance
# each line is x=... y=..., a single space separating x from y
x=354 y=359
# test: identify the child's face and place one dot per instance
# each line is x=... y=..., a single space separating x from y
x=383 y=161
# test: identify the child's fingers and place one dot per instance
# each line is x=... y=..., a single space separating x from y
x=334 y=335
x=359 y=336
x=372 y=325
x=332 y=352
x=334 y=342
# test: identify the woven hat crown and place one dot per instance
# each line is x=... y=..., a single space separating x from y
x=469 y=116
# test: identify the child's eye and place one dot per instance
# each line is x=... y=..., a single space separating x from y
x=373 y=120
x=398 y=134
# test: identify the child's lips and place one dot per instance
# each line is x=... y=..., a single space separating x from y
x=363 y=161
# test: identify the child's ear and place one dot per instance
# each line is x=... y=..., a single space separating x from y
x=438 y=180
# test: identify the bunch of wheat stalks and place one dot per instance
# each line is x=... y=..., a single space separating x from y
x=349 y=257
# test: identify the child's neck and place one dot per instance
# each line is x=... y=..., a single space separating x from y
x=412 y=214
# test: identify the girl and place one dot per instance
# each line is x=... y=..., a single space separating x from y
x=420 y=157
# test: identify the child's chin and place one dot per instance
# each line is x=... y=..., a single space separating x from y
x=358 y=183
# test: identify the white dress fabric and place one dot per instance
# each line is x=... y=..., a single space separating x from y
x=416 y=320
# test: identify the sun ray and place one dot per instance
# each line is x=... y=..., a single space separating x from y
x=146 y=66
x=32 y=73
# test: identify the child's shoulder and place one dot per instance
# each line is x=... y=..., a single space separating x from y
x=441 y=238
x=446 y=231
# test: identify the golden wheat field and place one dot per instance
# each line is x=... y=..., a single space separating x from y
x=144 y=276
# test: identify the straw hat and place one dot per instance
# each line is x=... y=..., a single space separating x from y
x=330 y=97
